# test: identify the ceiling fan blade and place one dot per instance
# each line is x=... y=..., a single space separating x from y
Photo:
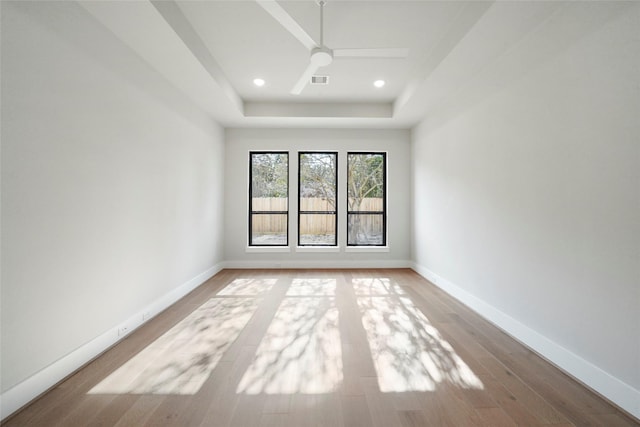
x=305 y=78
x=371 y=53
x=281 y=15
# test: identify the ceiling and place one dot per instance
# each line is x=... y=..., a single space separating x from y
x=458 y=51
x=247 y=42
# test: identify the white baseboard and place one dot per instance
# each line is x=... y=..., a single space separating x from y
x=24 y=392
x=617 y=391
x=321 y=264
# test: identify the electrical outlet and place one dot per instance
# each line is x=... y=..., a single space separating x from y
x=122 y=330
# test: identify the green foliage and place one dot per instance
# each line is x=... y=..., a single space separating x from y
x=318 y=176
x=366 y=177
x=270 y=174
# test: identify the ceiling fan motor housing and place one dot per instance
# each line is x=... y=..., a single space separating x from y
x=321 y=56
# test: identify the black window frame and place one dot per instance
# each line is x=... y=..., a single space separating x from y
x=383 y=213
x=252 y=212
x=334 y=212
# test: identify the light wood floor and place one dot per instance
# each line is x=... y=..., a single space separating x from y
x=319 y=348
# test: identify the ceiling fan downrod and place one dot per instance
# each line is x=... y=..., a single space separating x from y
x=321 y=3
x=321 y=55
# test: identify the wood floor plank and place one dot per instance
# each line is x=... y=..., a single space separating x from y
x=277 y=404
x=140 y=411
x=456 y=410
x=85 y=410
x=248 y=411
x=412 y=418
x=477 y=397
x=328 y=410
x=221 y=409
x=516 y=409
x=275 y=420
x=366 y=347
x=356 y=411
x=524 y=393
x=495 y=417
x=433 y=409
x=381 y=407
x=112 y=413
x=195 y=411
x=169 y=412
x=302 y=410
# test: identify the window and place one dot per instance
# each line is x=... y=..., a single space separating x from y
x=317 y=209
x=366 y=197
x=269 y=199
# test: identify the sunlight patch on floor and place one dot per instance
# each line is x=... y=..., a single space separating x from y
x=182 y=359
x=301 y=350
x=408 y=353
x=248 y=287
x=376 y=286
x=312 y=287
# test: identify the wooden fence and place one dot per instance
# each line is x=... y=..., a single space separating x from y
x=311 y=223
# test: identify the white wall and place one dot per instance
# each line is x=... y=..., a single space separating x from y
x=526 y=204
x=241 y=141
x=112 y=187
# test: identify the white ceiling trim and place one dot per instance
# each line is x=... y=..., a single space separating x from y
x=141 y=27
x=459 y=28
x=325 y=109
x=176 y=19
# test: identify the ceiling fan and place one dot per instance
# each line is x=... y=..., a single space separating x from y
x=321 y=55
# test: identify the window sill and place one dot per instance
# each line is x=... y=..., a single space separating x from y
x=317 y=249
x=267 y=249
x=366 y=249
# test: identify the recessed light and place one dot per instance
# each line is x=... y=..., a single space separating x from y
x=259 y=82
x=379 y=83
